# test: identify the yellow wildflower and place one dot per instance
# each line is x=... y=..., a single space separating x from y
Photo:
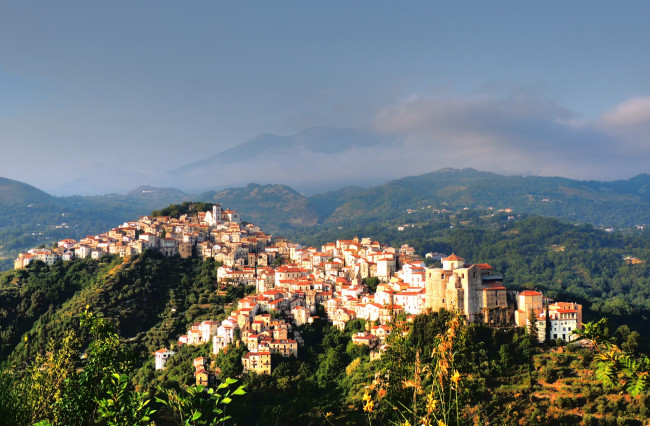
x=441 y=423
x=369 y=406
x=432 y=403
x=455 y=378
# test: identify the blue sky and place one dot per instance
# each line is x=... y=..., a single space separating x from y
x=89 y=88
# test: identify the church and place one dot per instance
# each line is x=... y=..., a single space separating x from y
x=475 y=291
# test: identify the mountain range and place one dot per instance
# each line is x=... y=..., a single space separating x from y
x=30 y=216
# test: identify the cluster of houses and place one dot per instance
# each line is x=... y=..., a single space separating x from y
x=217 y=233
x=291 y=281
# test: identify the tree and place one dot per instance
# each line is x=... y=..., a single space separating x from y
x=547 y=325
x=124 y=406
x=614 y=365
x=55 y=390
x=197 y=405
x=372 y=283
x=532 y=325
x=331 y=365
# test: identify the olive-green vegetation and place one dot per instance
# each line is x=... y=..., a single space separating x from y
x=186 y=207
x=145 y=303
x=622 y=203
x=619 y=364
x=150 y=299
x=63 y=387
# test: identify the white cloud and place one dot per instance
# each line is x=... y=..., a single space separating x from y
x=633 y=112
x=521 y=134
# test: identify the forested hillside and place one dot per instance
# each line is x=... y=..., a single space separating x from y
x=274 y=207
x=616 y=204
x=119 y=311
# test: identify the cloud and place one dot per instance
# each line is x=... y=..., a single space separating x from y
x=520 y=135
x=517 y=134
x=633 y=112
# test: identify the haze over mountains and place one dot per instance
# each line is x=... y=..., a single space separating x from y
x=318 y=140
x=313 y=160
x=320 y=159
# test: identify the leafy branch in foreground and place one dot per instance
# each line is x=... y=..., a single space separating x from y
x=122 y=405
x=200 y=406
x=615 y=365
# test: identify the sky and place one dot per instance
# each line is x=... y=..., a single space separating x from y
x=105 y=96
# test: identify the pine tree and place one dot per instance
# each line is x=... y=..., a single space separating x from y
x=547 y=330
x=532 y=325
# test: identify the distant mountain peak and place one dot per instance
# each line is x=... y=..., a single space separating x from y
x=318 y=140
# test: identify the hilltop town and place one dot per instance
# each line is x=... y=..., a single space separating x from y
x=351 y=279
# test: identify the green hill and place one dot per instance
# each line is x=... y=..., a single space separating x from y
x=617 y=204
x=13 y=192
x=274 y=207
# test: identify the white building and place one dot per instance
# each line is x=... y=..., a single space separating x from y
x=162 y=355
x=411 y=299
x=565 y=317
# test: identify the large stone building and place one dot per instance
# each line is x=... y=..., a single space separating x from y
x=473 y=290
